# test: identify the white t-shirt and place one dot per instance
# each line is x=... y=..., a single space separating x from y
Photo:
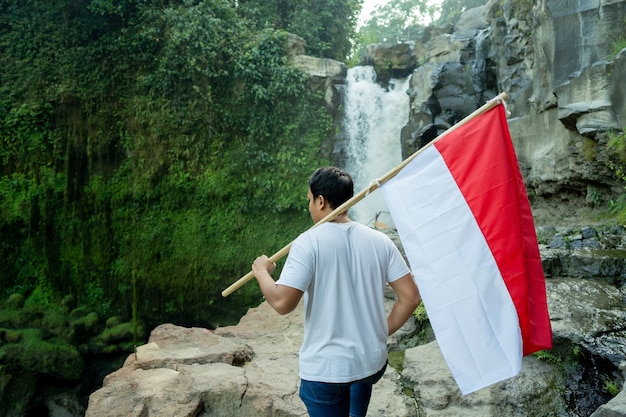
x=342 y=268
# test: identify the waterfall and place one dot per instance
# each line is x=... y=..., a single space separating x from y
x=373 y=120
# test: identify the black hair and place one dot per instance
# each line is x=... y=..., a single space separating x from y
x=334 y=184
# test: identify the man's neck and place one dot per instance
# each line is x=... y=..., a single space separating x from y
x=342 y=218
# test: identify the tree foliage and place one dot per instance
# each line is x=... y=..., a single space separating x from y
x=403 y=20
x=396 y=21
x=327 y=26
x=150 y=149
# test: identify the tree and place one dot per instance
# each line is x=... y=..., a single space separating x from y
x=396 y=21
x=402 y=20
x=327 y=26
x=150 y=150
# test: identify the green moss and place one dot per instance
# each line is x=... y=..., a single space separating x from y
x=616 y=153
x=5 y=379
x=31 y=315
x=112 y=322
x=55 y=358
x=54 y=321
x=120 y=333
x=119 y=338
x=619 y=42
x=86 y=324
x=42 y=295
x=16 y=393
x=574 y=358
x=11 y=318
x=396 y=360
x=14 y=301
x=11 y=336
x=590 y=149
x=32 y=354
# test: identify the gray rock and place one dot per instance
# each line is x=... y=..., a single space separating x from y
x=563 y=95
x=532 y=392
x=325 y=74
x=471 y=21
x=246 y=370
x=557 y=242
x=390 y=60
x=585 y=100
x=614 y=408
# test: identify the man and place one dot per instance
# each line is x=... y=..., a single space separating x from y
x=342 y=268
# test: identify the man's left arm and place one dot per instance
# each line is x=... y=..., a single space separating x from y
x=408 y=299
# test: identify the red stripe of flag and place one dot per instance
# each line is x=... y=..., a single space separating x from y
x=482 y=161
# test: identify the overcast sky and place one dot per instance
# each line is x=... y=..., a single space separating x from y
x=369 y=6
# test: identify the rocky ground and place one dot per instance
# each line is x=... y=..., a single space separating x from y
x=251 y=369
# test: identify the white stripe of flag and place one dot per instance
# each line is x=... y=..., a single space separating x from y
x=464 y=220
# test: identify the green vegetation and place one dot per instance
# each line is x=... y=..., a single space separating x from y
x=612 y=387
x=548 y=356
x=402 y=20
x=619 y=41
x=575 y=355
x=616 y=161
x=38 y=340
x=328 y=27
x=420 y=313
x=43 y=343
x=396 y=359
x=450 y=10
x=396 y=20
x=424 y=329
x=564 y=357
x=618 y=46
x=150 y=150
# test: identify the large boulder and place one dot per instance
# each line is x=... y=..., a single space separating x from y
x=325 y=74
x=614 y=408
x=246 y=370
x=531 y=393
x=390 y=60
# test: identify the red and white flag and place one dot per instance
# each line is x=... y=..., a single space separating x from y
x=464 y=219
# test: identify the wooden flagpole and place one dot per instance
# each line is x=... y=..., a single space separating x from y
x=373 y=186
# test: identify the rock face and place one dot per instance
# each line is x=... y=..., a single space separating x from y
x=557 y=63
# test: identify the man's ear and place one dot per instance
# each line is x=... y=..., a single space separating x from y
x=322 y=202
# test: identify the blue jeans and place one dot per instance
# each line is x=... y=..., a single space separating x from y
x=324 y=399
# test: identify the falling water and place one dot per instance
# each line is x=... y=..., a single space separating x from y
x=373 y=120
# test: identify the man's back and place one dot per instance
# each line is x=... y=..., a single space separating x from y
x=343 y=269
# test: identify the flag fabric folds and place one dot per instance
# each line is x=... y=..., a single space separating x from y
x=465 y=223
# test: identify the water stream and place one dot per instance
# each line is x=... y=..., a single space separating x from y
x=373 y=120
